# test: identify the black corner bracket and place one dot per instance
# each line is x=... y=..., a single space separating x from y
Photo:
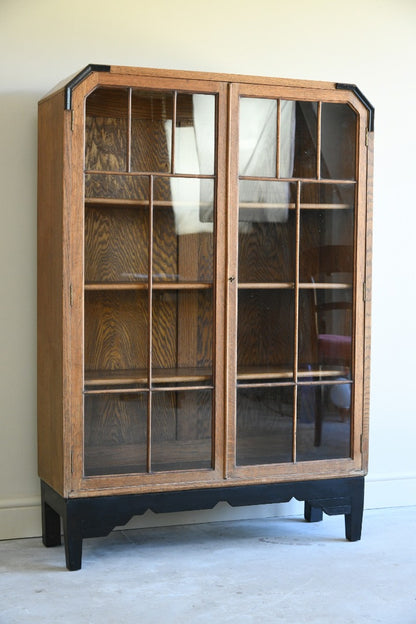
x=360 y=95
x=79 y=78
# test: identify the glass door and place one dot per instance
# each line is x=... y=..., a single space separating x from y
x=294 y=186
x=150 y=281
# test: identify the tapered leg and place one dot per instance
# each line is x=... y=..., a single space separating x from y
x=51 y=525
x=312 y=514
x=354 y=520
x=73 y=541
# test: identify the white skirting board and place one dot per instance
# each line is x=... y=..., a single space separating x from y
x=20 y=518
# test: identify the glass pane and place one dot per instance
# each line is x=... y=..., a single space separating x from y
x=106 y=128
x=305 y=165
x=115 y=433
x=181 y=430
x=325 y=330
x=265 y=336
x=323 y=423
x=327 y=233
x=116 y=330
x=257 y=137
x=116 y=243
x=287 y=138
x=151 y=130
x=195 y=134
x=266 y=232
x=183 y=243
x=338 y=141
x=182 y=334
x=264 y=425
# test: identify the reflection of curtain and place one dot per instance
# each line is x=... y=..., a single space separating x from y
x=257 y=156
x=194 y=153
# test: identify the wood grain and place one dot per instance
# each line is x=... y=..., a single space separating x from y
x=164 y=335
x=52 y=144
x=117 y=187
x=116 y=241
x=165 y=245
x=115 y=419
x=266 y=252
x=116 y=328
x=149 y=148
x=106 y=144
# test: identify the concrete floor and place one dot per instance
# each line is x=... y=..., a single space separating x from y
x=263 y=570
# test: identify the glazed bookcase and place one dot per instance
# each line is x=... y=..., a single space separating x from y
x=203 y=296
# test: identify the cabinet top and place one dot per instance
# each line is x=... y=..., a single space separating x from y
x=70 y=83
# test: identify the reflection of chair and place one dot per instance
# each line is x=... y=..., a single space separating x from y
x=332 y=265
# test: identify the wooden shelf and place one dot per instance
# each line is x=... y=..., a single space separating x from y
x=145 y=285
x=292 y=206
x=102 y=381
x=291 y=285
x=110 y=201
x=140 y=376
x=326 y=285
x=265 y=285
x=246 y=373
x=207 y=285
x=270 y=373
x=155 y=174
x=182 y=285
x=308 y=180
x=142 y=203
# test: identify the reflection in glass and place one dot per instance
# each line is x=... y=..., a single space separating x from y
x=182 y=332
x=305 y=164
x=323 y=422
x=338 y=141
x=266 y=245
x=151 y=127
x=327 y=196
x=264 y=425
x=257 y=137
x=325 y=329
x=183 y=243
x=182 y=430
x=326 y=251
x=265 y=201
x=265 y=331
x=195 y=134
x=287 y=138
x=106 y=128
x=115 y=433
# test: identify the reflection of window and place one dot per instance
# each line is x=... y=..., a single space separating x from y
x=258 y=157
x=194 y=154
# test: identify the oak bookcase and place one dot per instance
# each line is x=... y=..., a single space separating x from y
x=203 y=296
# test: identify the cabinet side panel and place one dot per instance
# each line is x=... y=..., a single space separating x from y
x=368 y=288
x=50 y=304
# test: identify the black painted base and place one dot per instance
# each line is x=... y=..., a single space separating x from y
x=97 y=516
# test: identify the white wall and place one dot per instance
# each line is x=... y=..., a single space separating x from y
x=368 y=42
